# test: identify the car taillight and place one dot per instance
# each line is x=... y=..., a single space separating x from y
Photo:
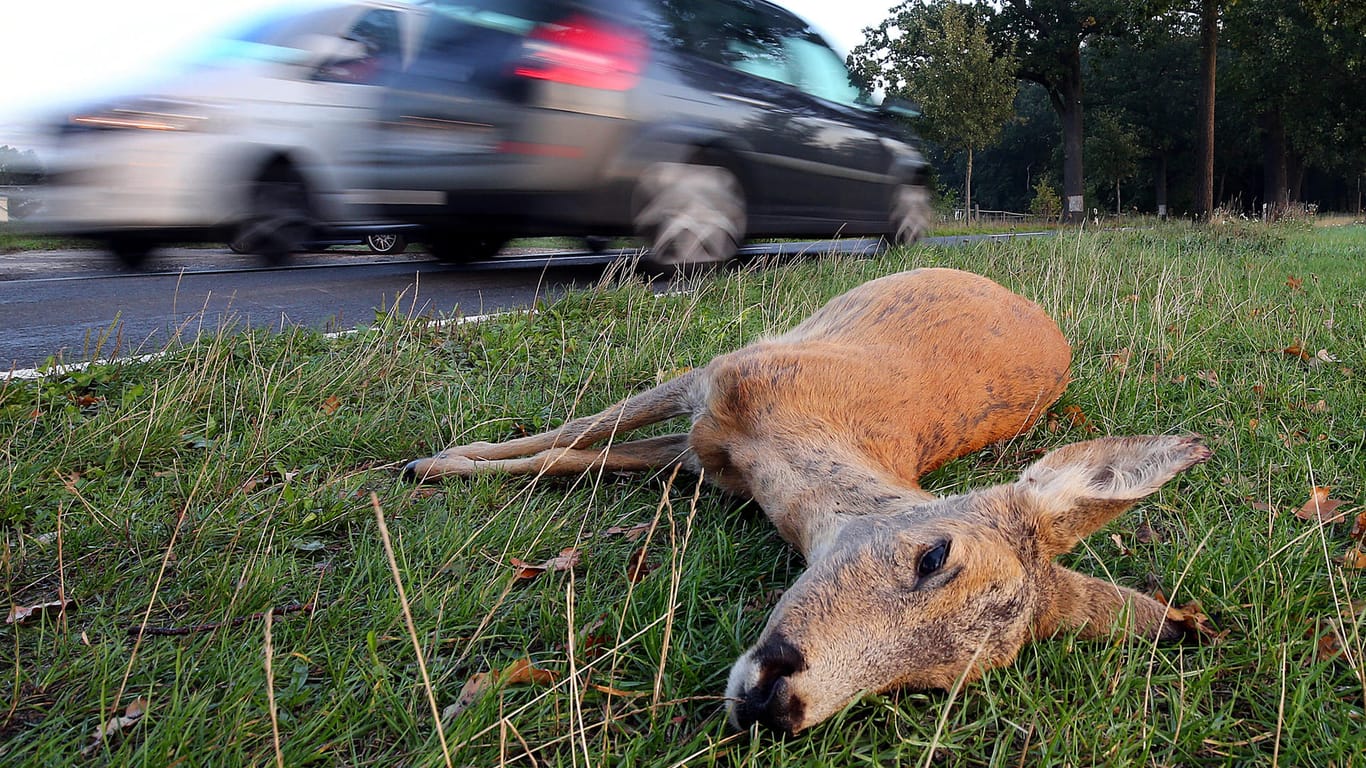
x=583 y=51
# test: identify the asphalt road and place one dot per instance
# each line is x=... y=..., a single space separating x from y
x=75 y=306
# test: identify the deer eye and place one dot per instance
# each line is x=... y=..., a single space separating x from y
x=933 y=559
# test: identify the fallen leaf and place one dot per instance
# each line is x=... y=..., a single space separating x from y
x=1119 y=361
x=1192 y=617
x=1119 y=544
x=116 y=724
x=1295 y=283
x=1354 y=559
x=1077 y=417
x=472 y=691
x=632 y=533
x=1359 y=527
x=567 y=559
x=1295 y=350
x=1327 y=648
x=523 y=672
x=1320 y=507
x=1145 y=534
x=21 y=613
x=331 y=404
x=519 y=672
x=637 y=567
x=1262 y=506
x=1209 y=377
x=1326 y=356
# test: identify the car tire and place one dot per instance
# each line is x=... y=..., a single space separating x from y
x=910 y=216
x=690 y=215
x=450 y=248
x=386 y=243
x=279 y=220
x=131 y=250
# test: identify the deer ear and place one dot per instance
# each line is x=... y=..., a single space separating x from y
x=1076 y=489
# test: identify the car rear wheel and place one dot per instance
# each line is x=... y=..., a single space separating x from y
x=280 y=218
x=910 y=214
x=690 y=215
x=386 y=243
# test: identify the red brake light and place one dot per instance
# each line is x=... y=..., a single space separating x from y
x=584 y=51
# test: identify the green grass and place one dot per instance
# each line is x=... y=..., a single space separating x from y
x=235 y=474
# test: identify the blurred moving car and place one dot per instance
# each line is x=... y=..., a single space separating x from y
x=246 y=142
x=464 y=123
x=692 y=123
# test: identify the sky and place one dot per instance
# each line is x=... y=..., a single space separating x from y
x=54 y=51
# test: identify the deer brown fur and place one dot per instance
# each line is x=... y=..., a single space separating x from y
x=829 y=428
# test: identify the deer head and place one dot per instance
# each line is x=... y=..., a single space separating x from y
x=930 y=593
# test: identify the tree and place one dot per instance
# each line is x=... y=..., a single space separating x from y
x=1114 y=147
x=938 y=55
x=1209 y=49
x=1047 y=36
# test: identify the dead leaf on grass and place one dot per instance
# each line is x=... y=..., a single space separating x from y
x=519 y=672
x=1193 y=618
x=472 y=691
x=638 y=566
x=22 y=613
x=331 y=405
x=523 y=672
x=1145 y=534
x=1320 y=508
x=116 y=724
x=1210 y=378
x=1359 y=527
x=1296 y=350
x=1294 y=283
x=567 y=559
x=1355 y=558
x=1119 y=544
x=631 y=533
x=1119 y=361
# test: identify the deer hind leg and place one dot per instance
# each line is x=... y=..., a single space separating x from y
x=562 y=451
x=633 y=456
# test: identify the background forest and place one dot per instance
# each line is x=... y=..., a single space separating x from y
x=1110 y=100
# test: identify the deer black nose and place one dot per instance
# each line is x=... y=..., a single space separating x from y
x=771 y=700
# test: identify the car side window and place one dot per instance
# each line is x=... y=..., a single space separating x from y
x=376 y=34
x=820 y=72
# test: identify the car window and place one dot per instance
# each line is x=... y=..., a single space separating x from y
x=820 y=72
x=376 y=32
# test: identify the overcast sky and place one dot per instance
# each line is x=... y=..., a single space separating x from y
x=51 y=50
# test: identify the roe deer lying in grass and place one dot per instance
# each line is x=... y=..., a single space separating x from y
x=829 y=427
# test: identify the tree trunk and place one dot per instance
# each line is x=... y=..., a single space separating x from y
x=967 y=187
x=1294 y=175
x=1160 y=177
x=1118 y=208
x=1204 y=171
x=1276 y=191
x=1067 y=102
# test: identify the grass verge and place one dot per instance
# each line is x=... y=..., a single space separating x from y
x=250 y=584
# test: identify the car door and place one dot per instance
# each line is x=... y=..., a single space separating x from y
x=442 y=120
x=840 y=141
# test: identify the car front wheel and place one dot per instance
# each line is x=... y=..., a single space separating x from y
x=691 y=215
x=279 y=220
x=385 y=244
x=910 y=216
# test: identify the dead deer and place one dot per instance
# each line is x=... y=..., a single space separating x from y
x=829 y=428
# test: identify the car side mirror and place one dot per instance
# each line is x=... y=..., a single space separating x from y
x=899 y=107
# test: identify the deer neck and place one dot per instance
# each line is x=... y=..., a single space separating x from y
x=811 y=496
